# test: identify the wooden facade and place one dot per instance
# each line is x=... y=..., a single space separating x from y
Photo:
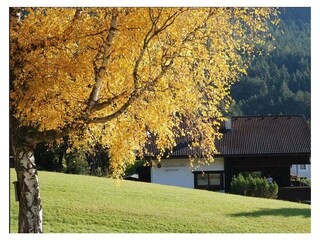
x=277 y=166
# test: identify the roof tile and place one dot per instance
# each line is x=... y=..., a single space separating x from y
x=256 y=135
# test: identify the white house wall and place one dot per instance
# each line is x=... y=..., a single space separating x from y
x=178 y=172
x=295 y=170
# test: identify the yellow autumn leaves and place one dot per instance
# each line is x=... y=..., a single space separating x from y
x=168 y=65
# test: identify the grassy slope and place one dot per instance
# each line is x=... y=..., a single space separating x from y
x=77 y=204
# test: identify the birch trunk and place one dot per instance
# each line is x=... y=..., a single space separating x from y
x=30 y=207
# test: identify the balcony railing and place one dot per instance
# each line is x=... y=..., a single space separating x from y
x=295 y=193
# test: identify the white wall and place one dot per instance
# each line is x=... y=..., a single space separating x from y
x=178 y=172
x=295 y=170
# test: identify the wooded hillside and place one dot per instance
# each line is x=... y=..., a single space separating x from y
x=279 y=83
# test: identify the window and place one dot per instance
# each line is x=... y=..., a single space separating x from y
x=208 y=180
x=214 y=179
x=202 y=179
x=303 y=167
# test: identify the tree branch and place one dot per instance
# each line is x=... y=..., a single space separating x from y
x=149 y=36
x=94 y=95
x=139 y=91
x=134 y=95
x=31 y=136
x=54 y=41
x=102 y=105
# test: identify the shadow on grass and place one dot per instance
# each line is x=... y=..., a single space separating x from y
x=285 y=212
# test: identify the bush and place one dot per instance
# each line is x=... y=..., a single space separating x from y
x=132 y=168
x=254 y=187
x=306 y=181
x=77 y=163
x=239 y=185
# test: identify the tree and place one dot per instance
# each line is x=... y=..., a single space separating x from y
x=111 y=76
x=289 y=62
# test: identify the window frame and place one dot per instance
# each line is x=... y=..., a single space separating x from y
x=303 y=169
x=209 y=187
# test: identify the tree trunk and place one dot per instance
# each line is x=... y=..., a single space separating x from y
x=30 y=207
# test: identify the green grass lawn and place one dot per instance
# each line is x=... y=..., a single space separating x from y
x=77 y=204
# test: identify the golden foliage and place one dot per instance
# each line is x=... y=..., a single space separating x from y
x=112 y=74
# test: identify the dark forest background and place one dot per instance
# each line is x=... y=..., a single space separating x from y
x=279 y=83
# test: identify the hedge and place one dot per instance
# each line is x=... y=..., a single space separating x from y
x=254 y=187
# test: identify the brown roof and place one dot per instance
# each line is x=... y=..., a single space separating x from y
x=256 y=135
x=288 y=134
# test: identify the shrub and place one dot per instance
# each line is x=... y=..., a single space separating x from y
x=306 y=181
x=253 y=186
x=239 y=185
x=77 y=163
x=132 y=168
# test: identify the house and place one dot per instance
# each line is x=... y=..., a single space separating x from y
x=259 y=145
x=301 y=170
